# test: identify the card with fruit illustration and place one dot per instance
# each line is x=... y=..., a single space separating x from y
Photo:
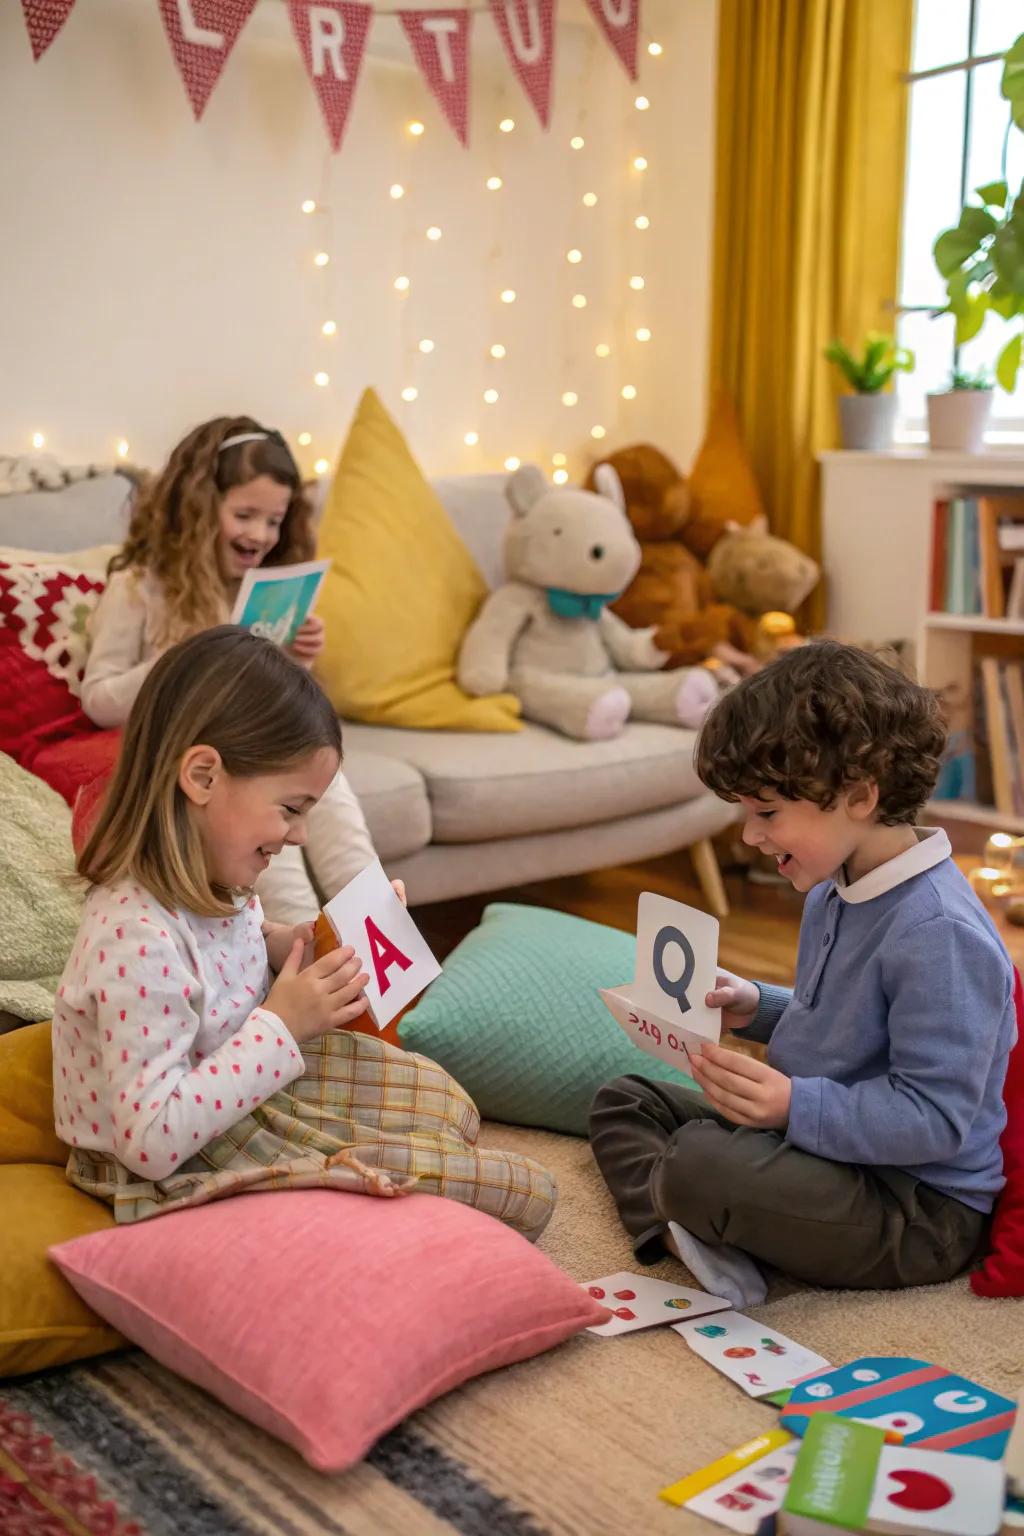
x=638 y=1301
x=757 y=1358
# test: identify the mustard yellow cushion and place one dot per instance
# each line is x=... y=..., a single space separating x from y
x=722 y=482
x=42 y=1321
x=401 y=592
x=26 y=1098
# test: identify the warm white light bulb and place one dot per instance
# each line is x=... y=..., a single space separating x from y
x=122 y=448
x=643 y=334
x=409 y=393
x=629 y=391
x=38 y=440
x=1001 y=840
x=574 y=256
x=560 y=476
x=309 y=206
x=559 y=459
x=512 y=463
x=491 y=396
x=426 y=345
x=640 y=163
x=508 y=296
x=417 y=129
x=603 y=349
x=655 y=50
x=579 y=301
x=323 y=379
x=321 y=259
x=637 y=283
x=471 y=439
x=494 y=183
x=433 y=233
x=577 y=141
x=590 y=199
x=641 y=103
x=321 y=466
x=642 y=221
x=498 y=350
x=597 y=432
x=330 y=327
x=397 y=190
x=305 y=438
x=507 y=124
x=570 y=397
x=402 y=284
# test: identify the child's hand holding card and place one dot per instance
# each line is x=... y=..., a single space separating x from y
x=638 y=1301
x=370 y=914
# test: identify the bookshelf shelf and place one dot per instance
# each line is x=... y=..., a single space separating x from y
x=974 y=622
x=979 y=815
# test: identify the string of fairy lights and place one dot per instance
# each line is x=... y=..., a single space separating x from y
x=505 y=296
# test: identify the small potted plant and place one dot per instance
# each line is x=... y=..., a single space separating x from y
x=866 y=417
x=958 y=416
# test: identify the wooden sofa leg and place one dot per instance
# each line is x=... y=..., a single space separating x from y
x=705 y=862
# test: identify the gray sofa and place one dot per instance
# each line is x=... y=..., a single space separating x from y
x=457 y=813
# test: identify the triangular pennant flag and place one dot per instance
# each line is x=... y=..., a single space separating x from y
x=527 y=29
x=202 y=34
x=619 y=20
x=44 y=19
x=440 y=43
x=331 y=35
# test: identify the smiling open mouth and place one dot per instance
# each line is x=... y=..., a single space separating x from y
x=248 y=554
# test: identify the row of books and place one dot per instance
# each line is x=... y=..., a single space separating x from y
x=985 y=757
x=978 y=556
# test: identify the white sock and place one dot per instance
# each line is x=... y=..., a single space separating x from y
x=724 y=1271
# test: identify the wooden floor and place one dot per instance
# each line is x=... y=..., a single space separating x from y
x=758 y=938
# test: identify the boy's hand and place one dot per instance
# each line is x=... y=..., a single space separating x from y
x=326 y=995
x=308 y=642
x=739 y=1000
x=279 y=939
x=745 y=1091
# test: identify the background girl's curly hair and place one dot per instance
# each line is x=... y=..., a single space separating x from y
x=817 y=720
x=175 y=522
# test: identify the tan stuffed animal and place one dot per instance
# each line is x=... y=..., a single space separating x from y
x=763 y=577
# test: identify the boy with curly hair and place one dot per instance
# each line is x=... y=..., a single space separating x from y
x=865 y=1151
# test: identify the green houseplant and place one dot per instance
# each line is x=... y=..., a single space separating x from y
x=958 y=415
x=866 y=416
x=982 y=261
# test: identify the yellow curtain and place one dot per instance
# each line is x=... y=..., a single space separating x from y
x=809 y=189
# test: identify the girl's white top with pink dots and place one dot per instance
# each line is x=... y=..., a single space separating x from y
x=160 y=1039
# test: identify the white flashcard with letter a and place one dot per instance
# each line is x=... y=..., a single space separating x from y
x=394 y=954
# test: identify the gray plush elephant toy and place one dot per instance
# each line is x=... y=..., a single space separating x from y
x=548 y=634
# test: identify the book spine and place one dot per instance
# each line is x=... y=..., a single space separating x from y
x=974 y=591
x=998 y=736
x=993 y=606
x=940 y=519
x=1013 y=683
x=954 y=556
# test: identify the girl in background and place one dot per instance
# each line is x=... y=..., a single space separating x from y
x=181 y=1074
x=229 y=499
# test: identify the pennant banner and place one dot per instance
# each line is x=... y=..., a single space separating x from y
x=440 y=44
x=331 y=35
x=44 y=19
x=619 y=20
x=202 y=34
x=527 y=29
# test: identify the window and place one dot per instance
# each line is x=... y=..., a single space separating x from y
x=956 y=142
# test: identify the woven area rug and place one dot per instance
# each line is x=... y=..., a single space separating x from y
x=575 y=1443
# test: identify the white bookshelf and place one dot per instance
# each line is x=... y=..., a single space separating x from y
x=876 y=541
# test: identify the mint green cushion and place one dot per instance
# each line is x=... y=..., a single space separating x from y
x=516 y=1018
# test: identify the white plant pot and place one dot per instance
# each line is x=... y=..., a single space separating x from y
x=867 y=421
x=958 y=418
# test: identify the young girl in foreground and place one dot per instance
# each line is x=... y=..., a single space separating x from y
x=178 y=1068
x=229 y=499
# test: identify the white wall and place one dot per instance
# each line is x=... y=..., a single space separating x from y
x=154 y=272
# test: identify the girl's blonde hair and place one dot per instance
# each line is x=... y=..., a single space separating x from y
x=175 y=520
x=227 y=689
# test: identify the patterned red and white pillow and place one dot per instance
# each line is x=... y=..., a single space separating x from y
x=45 y=604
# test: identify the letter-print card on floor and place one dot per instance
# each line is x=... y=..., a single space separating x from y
x=640 y=1301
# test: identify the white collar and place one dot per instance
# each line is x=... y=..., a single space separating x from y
x=931 y=848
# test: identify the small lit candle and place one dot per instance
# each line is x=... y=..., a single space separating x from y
x=988 y=884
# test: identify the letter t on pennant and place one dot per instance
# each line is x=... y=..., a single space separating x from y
x=440 y=45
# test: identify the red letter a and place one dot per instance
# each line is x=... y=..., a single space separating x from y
x=385 y=954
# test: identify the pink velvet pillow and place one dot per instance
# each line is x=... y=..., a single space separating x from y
x=323 y=1317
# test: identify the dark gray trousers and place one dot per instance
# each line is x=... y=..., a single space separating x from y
x=666 y=1155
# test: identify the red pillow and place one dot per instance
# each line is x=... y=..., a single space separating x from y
x=44 y=607
x=1002 y=1273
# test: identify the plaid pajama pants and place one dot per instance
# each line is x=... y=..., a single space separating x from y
x=394 y=1110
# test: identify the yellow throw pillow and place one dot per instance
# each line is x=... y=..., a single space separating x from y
x=401 y=592
x=42 y=1321
x=26 y=1098
x=722 y=482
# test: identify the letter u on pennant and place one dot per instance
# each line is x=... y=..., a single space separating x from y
x=202 y=34
x=527 y=31
x=619 y=20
